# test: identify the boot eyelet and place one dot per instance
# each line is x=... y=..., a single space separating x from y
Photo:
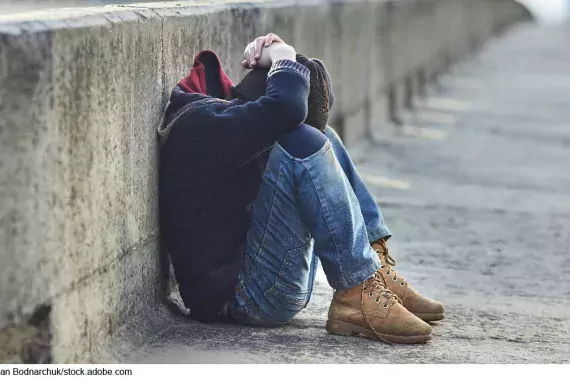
x=385 y=306
x=377 y=300
x=364 y=288
x=370 y=294
x=388 y=273
x=381 y=266
x=394 y=278
x=401 y=284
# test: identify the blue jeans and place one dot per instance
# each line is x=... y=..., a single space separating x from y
x=312 y=206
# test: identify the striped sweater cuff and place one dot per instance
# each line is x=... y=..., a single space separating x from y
x=288 y=65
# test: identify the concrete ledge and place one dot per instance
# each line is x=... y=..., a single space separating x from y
x=81 y=94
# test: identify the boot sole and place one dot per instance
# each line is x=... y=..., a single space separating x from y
x=426 y=317
x=348 y=329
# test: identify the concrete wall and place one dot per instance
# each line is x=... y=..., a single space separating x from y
x=81 y=94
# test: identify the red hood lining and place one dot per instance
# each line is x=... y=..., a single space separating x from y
x=207 y=77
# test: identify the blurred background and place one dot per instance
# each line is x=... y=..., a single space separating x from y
x=549 y=11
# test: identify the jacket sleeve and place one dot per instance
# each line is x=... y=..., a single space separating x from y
x=242 y=131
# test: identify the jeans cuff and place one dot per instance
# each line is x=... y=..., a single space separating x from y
x=378 y=233
x=357 y=277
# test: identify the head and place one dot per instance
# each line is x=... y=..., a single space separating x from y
x=253 y=86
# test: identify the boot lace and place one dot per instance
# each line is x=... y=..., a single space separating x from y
x=376 y=285
x=389 y=260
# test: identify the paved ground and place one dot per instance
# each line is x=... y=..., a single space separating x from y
x=477 y=192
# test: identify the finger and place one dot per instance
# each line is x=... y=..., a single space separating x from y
x=272 y=38
x=245 y=64
x=252 y=61
x=246 y=53
x=269 y=39
x=259 y=42
x=249 y=54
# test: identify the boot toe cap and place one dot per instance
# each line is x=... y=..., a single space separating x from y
x=420 y=304
x=420 y=328
x=435 y=307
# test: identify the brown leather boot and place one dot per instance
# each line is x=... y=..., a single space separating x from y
x=423 y=307
x=373 y=311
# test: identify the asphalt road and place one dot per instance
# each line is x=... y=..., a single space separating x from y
x=476 y=189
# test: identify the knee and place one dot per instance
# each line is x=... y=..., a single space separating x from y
x=303 y=142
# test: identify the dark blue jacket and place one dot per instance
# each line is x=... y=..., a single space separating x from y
x=209 y=175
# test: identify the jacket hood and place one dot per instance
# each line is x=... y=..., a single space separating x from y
x=207 y=77
x=206 y=80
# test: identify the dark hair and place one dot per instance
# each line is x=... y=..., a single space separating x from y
x=320 y=93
